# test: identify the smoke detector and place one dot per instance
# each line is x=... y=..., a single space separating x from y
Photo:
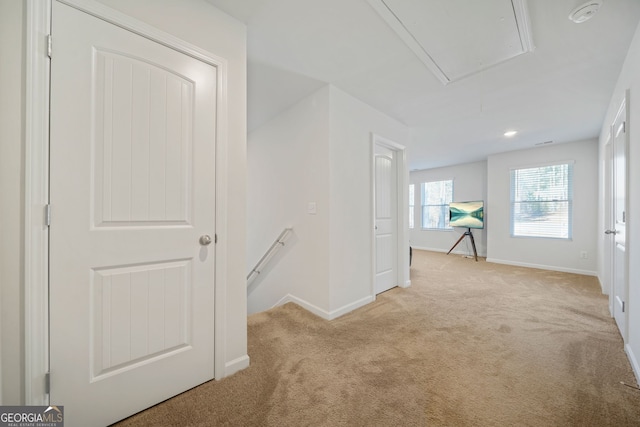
x=585 y=11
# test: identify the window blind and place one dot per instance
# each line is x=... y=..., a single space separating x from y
x=436 y=196
x=411 y=204
x=542 y=201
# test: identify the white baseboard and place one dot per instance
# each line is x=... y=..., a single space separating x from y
x=235 y=365
x=428 y=249
x=518 y=264
x=328 y=315
x=634 y=362
x=603 y=287
x=350 y=307
x=544 y=267
x=444 y=251
x=406 y=284
x=304 y=304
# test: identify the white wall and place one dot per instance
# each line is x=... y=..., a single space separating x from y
x=317 y=151
x=629 y=80
x=551 y=254
x=11 y=202
x=469 y=183
x=352 y=123
x=199 y=23
x=288 y=167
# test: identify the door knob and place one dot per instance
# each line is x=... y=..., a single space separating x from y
x=205 y=240
x=610 y=232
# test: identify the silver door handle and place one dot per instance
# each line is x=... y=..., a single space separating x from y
x=610 y=232
x=205 y=240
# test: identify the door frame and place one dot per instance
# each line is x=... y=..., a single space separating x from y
x=608 y=219
x=402 y=191
x=36 y=233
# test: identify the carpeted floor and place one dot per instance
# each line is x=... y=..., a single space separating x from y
x=468 y=344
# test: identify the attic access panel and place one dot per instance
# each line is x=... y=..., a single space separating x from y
x=458 y=38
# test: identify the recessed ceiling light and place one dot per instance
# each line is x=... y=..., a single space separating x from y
x=510 y=133
x=585 y=11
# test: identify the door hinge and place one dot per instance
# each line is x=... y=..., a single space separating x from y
x=47 y=383
x=47 y=215
x=623 y=306
x=49 y=45
x=215 y=238
x=624 y=216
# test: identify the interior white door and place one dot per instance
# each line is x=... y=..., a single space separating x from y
x=619 y=216
x=386 y=220
x=133 y=128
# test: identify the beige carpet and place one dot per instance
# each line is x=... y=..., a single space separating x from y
x=468 y=344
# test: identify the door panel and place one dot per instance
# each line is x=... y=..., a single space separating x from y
x=132 y=190
x=143 y=152
x=140 y=314
x=386 y=222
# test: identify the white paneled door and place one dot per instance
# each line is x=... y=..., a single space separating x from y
x=133 y=127
x=619 y=221
x=386 y=220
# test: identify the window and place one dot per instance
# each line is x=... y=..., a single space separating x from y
x=436 y=196
x=541 y=201
x=411 y=204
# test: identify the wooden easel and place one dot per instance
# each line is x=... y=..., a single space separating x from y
x=473 y=243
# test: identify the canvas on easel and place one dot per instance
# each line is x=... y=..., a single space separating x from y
x=469 y=215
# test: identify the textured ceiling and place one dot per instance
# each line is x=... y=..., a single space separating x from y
x=559 y=92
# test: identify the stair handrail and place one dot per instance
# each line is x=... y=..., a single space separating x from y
x=277 y=244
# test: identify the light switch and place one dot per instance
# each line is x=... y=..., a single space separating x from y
x=311 y=208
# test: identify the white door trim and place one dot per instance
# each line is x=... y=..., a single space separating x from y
x=607 y=281
x=38 y=19
x=36 y=233
x=402 y=207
